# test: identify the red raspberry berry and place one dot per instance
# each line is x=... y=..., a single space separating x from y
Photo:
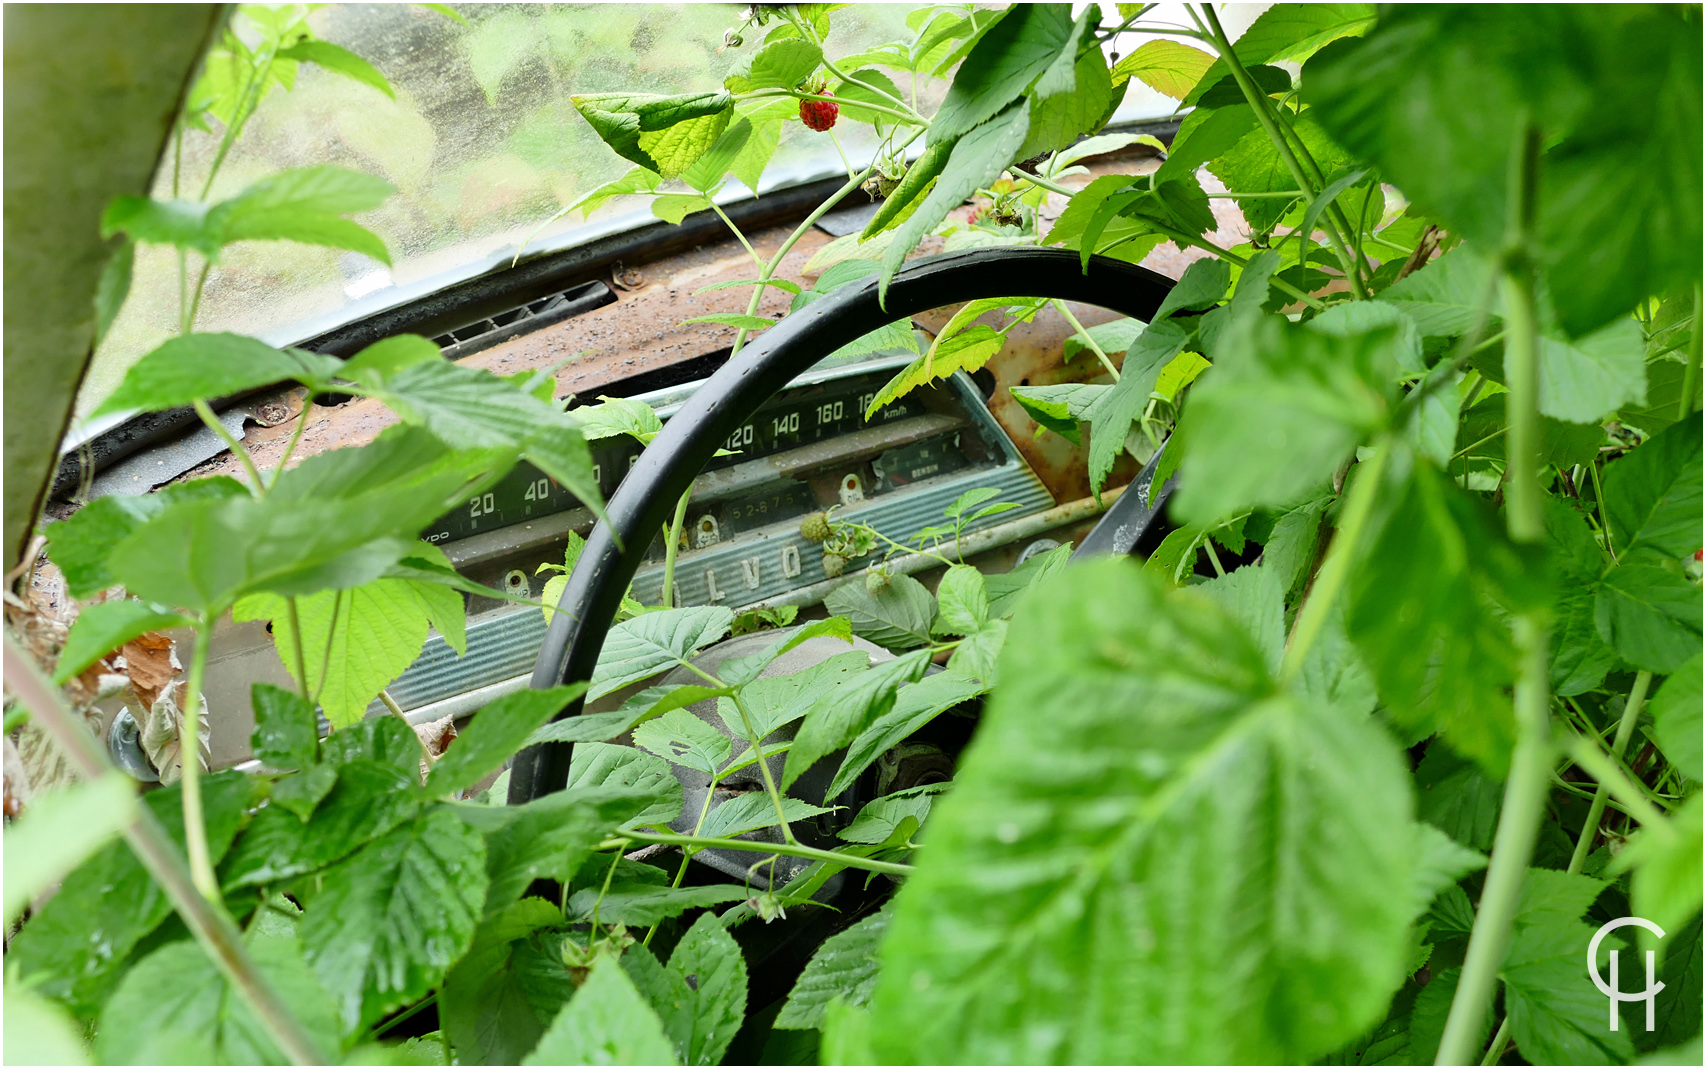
x=819 y=114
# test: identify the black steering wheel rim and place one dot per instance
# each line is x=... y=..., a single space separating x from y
x=645 y=501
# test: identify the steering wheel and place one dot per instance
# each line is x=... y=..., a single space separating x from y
x=646 y=499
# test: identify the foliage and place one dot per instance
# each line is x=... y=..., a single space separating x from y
x=1343 y=800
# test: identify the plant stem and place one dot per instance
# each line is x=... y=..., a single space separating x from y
x=1531 y=758
x=1234 y=259
x=295 y=438
x=396 y=710
x=1089 y=342
x=1496 y=1049
x=148 y=840
x=785 y=849
x=686 y=854
x=195 y=298
x=1263 y=108
x=757 y=260
x=671 y=548
x=845 y=162
x=294 y=621
x=326 y=658
x=1625 y=728
x=1592 y=759
x=189 y=761
x=1691 y=377
x=1336 y=570
x=763 y=766
x=211 y=421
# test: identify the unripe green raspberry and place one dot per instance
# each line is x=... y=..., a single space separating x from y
x=834 y=564
x=876 y=579
x=815 y=527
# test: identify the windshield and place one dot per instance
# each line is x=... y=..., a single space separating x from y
x=481 y=142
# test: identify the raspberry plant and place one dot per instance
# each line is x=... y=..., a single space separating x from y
x=1355 y=786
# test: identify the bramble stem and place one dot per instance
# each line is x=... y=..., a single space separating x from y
x=294 y=620
x=148 y=840
x=189 y=762
x=1089 y=342
x=1592 y=759
x=1336 y=570
x=1625 y=729
x=785 y=849
x=763 y=765
x=672 y=548
x=208 y=418
x=1531 y=758
x=1691 y=377
x=757 y=260
x=396 y=710
x=1264 y=114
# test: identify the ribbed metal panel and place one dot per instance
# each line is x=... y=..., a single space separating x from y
x=750 y=568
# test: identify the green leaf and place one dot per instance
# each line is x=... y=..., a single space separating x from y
x=368 y=799
x=498 y=1000
x=665 y=134
x=977 y=159
x=896 y=616
x=1170 y=68
x=606 y=1023
x=851 y=95
x=968 y=350
x=1676 y=718
x=962 y=602
x=1444 y=296
x=1454 y=796
x=356 y=641
x=781 y=64
x=602 y=727
x=177 y=996
x=701 y=995
x=74 y=950
x=644 y=905
x=338 y=60
x=1060 y=408
x=1585 y=380
x=913 y=708
x=674 y=207
x=1556 y=1014
x=1006 y=61
x=844 y=967
x=1666 y=862
x=1290 y=549
x=550 y=836
x=680 y=737
x=1650 y=615
x=776 y=701
x=1079 y=103
x=840 y=716
x=1157 y=705
x=369 y=941
x=738 y=670
x=752 y=811
x=205 y=367
x=1205 y=134
x=883 y=817
x=647 y=644
x=384 y=359
x=496 y=733
x=287 y=732
x=734 y=319
x=41 y=1032
x=1424 y=612
x=113 y=288
x=1652 y=495
x=1254 y=165
x=81 y=545
x=1434 y=98
x=1320 y=395
x=159 y=222
x=102 y=628
x=305 y=205
x=614 y=416
x=58 y=831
